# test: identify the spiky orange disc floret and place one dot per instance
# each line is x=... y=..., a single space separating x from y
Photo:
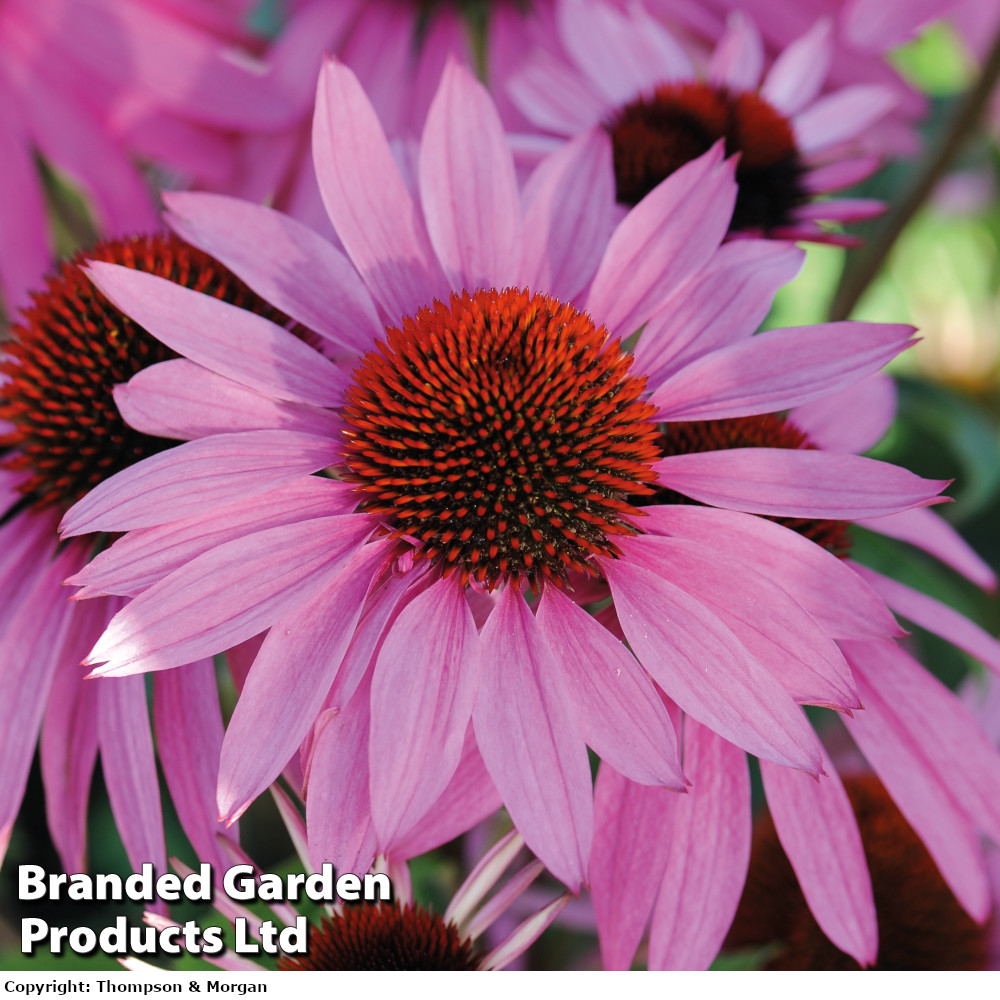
x=920 y=923
x=72 y=347
x=366 y=938
x=657 y=134
x=504 y=432
x=765 y=431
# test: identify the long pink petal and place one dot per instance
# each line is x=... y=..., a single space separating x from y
x=284 y=262
x=179 y=399
x=871 y=404
x=722 y=303
x=797 y=483
x=568 y=216
x=530 y=742
x=778 y=369
x=666 y=238
x=705 y=669
x=338 y=811
x=835 y=596
x=196 y=476
x=189 y=737
x=129 y=768
x=423 y=689
x=928 y=531
x=709 y=855
x=228 y=594
x=817 y=828
x=236 y=343
x=936 y=617
x=799 y=72
x=367 y=201
x=882 y=25
x=145 y=556
x=467 y=185
x=631 y=846
x=620 y=712
x=288 y=682
x=911 y=776
x=738 y=59
x=773 y=628
x=842 y=115
x=554 y=97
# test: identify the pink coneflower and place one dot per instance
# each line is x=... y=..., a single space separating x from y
x=914 y=732
x=496 y=444
x=90 y=86
x=62 y=435
x=625 y=71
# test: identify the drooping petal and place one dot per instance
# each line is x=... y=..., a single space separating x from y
x=797 y=483
x=817 y=828
x=289 y=680
x=196 y=476
x=423 y=689
x=822 y=584
x=620 y=712
x=228 y=594
x=234 y=342
x=704 y=668
x=871 y=404
x=842 y=115
x=666 y=238
x=468 y=187
x=367 y=201
x=709 y=833
x=631 y=846
x=284 y=262
x=778 y=369
x=530 y=741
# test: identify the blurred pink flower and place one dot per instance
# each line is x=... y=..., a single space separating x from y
x=795 y=143
x=492 y=439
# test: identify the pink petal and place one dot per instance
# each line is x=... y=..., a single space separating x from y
x=784 y=638
x=817 y=828
x=631 y=846
x=797 y=483
x=228 y=594
x=367 y=201
x=818 y=581
x=912 y=778
x=568 y=216
x=936 y=617
x=928 y=531
x=842 y=115
x=179 y=399
x=871 y=404
x=778 y=369
x=666 y=238
x=289 y=680
x=887 y=23
x=620 y=712
x=721 y=304
x=338 y=812
x=145 y=556
x=195 y=477
x=709 y=855
x=423 y=689
x=738 y=59
x=799 y=72
x=704 y=668
x=241 y=345
x=130 y=768
x=284 y=262
x=842 y=209
x=467 y=185
x=189 y=737
x=555 y=97
x=840 y=174
x=530 y=743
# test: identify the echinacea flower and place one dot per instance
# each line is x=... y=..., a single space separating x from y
x=400 y=935
x=921 y=924
x=626 y=72
x=61 y=435
x=486 y=439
